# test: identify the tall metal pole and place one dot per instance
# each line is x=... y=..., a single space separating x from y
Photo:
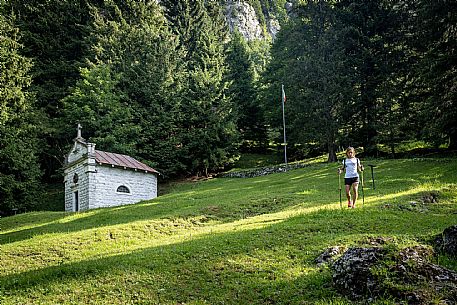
x=284 y=124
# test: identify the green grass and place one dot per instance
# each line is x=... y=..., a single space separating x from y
x=221 y=241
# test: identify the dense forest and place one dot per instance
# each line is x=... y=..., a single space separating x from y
x=171 y=85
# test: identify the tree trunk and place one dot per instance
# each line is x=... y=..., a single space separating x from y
x=331 y=155
x=331 y=149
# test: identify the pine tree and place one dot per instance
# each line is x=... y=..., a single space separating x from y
x=53 y=35
x=435 y=39
x=309 y=59
x=242 y=73
x=19 y=168
x=208 y=135
x=100 y=106
x=137 y=61
x=371 y=44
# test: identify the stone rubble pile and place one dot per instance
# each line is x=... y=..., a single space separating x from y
x=262 y=171
x=366 y=273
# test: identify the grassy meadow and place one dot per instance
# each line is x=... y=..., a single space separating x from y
x=223 y=241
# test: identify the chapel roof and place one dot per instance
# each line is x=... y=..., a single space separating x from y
x=104 y=157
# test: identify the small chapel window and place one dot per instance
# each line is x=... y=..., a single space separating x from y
x=75 y=178
x=123 y=189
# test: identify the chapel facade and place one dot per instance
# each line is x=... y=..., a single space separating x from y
x=96 y=179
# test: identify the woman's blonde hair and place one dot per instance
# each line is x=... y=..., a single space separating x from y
x=350 y=148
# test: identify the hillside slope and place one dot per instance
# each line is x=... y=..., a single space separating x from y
x=221 y=241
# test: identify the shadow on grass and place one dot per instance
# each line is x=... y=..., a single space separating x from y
x=269 y=265
x=232 y=264
x=223 y=200
x=227 y=200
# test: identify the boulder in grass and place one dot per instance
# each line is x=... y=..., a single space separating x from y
x=352 y=274
x=366 y=274
x=447 y=241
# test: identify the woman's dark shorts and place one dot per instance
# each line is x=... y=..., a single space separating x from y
x=351 y=181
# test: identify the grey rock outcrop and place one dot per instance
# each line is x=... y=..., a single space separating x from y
x=447 y=241
x=352 y=275
x=241 y=15
x=365 y=274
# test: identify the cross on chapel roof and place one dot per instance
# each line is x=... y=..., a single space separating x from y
x=78 y=134
x=79 y=137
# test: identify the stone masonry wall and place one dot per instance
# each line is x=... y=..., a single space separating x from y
x=82 y=186
x=78 y=160
x=142 y=186
x=262 y=171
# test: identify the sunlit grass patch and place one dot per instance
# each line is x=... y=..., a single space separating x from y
x=222 y=241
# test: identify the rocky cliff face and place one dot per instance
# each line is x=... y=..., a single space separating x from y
x=242 y=16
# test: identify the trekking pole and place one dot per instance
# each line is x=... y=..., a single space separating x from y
x=339 y=187
x=363 y=193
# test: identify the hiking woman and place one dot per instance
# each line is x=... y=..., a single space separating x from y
x=351 y=166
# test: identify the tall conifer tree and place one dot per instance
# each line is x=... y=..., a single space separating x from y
x=19 y=168
x=371 y=46
x=53 y=35
x=309 y=59
x=242 y=73
x=137 y=73
x=209 y=137
x=435 y=36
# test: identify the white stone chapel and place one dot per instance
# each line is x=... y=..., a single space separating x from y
x=96 y=179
